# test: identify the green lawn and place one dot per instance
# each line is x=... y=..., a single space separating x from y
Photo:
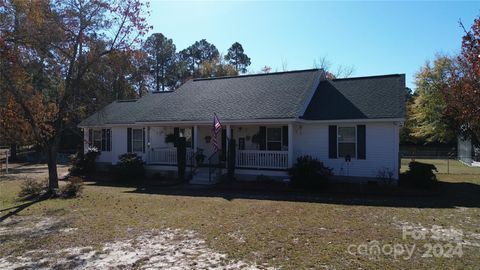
x=444 y=166
x=279 y=229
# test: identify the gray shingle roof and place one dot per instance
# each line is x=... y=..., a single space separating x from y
x=359 y=98
x=265 y=96
x=118 y=112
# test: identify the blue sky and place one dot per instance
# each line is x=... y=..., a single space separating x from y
x=374 y=37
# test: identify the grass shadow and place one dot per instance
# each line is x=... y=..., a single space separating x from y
x=21 y=207
x=444 y=195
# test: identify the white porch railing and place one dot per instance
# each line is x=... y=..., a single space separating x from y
x=245 y=158
x=262 y=159
x=166 y=156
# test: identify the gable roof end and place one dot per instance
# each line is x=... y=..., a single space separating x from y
x=375 y=97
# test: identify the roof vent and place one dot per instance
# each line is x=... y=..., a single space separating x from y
x=127 y=100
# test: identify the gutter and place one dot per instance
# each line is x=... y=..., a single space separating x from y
x=248 y=122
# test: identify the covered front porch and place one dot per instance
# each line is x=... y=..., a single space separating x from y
x=266 y=146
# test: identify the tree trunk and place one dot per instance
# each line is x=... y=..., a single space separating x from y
x=13 y=151
x=163 y=77
x=157 y=77
x=52 y=150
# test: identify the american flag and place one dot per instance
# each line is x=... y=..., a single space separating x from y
x=217 y=127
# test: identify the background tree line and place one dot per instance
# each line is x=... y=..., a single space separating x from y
x=167 y=69
x=446 y=102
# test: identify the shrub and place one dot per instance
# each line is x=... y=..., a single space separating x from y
x=309 y=172
x=73 y=188
x=83 y=164
x=421 y=175
x=199 y=156
x=130 y=166
x=385 y=175
x=31 y=189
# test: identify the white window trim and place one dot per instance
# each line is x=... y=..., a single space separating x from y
x=133 y=140
x=338 y=139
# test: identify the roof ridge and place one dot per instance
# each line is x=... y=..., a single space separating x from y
x=255 y=75
x=369 y=77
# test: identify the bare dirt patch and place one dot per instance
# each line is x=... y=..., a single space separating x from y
x=155 y=249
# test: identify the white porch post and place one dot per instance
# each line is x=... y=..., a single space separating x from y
x=290 y=145
x=229 y=135
x=195 y=138
x=148 y=145
x=112 y=156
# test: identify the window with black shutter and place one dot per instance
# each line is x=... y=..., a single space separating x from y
x=347 y=142
x=137 y=140
x=361 y=142
x=332 y=142
x=285 y=137
x=129 y=140
x=262 y=134
x=104 y=139
x=109 y=140
x=100 y=139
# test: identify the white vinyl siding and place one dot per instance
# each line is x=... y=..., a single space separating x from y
x=382 y=148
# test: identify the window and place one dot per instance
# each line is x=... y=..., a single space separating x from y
x=97 y=139
x=137 y=140
x=346 y=142
x=101 y=139
x=274 y=139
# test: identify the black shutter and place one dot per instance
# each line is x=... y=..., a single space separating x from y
x=143 y=140
x=262 y=141
x=104 y=139
x=332 y=141
x=129 y=140
x=285 y=136
x=361 y=142
x=90 y=137
x=109 y=140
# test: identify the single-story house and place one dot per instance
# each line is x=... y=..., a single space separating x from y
x=351 y=125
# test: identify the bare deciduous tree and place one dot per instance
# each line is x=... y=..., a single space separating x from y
x=341 y=71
